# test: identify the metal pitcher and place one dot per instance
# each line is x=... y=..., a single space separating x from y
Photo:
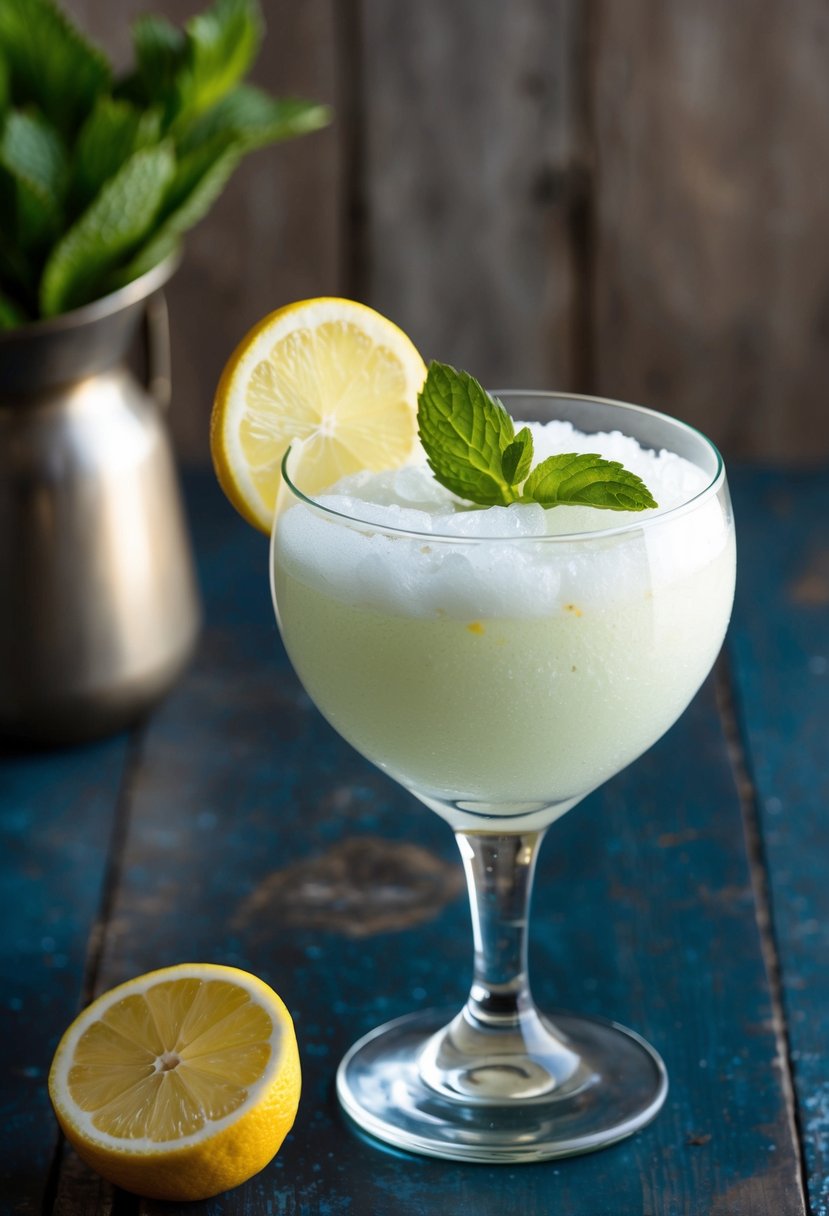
x=98 y=603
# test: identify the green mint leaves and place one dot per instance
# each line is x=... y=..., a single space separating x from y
x=100 y=175
x=589 y=481
x=465 y=434
x=473 y=450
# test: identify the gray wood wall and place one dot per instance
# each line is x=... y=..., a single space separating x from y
x=626 y=197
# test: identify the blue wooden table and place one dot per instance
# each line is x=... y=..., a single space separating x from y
x=689 y=898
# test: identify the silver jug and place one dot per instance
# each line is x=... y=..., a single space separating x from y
x=98 y=603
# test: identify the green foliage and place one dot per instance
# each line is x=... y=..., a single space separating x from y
x=587 y=480
x=33 y=157
x=222 y=43
x=254 y=119
x=197 y=182
x=160 y=53
x=111 y=133
x=472 y=449
x=112 y=227
x=100 y=178
x=50 y=65
x=517 y=457
x=464 y=431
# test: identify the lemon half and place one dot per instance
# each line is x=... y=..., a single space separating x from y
x=181 y=1083
x=329 y=372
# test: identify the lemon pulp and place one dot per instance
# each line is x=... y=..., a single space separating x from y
x=181 y=1083
x=162 y=1064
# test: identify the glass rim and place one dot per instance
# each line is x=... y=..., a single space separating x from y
x=633 y=523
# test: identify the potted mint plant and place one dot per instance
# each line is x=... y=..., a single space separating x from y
x=100 y=177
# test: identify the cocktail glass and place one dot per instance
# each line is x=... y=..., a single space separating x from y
x=500 y=711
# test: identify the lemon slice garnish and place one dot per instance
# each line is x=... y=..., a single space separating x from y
x=330 y=372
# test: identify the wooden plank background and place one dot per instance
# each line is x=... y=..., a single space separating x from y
x=625 y=198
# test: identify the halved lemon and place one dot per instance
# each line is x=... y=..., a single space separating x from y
x=329 y=372
x=181 y=1083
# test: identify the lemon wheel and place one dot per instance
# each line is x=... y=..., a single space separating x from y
x=329 y=372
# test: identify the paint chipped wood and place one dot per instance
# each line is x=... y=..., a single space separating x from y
x=360 y=886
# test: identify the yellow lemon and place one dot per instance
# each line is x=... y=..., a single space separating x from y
x=181 y=1083
x=330 y=373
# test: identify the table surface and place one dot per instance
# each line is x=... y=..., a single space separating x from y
x=688 y=898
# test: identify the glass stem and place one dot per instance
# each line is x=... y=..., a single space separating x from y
x=499 y=874
x=499 y=1048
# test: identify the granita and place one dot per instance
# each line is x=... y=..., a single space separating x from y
x=502 y=662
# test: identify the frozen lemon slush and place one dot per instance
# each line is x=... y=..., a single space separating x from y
x=504 y=675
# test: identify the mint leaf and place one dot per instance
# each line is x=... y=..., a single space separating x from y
x=32 y=148
x=110 y=229
x=5 y=87
x=189 y=194
x=33 y=155
x=517 y=457
x=105 y=141
x=208 y=153
x=198 y=181
x=160 y=54
x=187 y=72
x=221 y=45
x=472 y=449
x=586 y=480
x=50 y=64
x=464 y=432
x=254 y=119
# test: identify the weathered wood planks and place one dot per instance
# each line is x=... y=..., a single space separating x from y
x=711 y=267
x=644 y=911
x=58 y=814
x=780 y=657
x=472 y=183
x=574 y=194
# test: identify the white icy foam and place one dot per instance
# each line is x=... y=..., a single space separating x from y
x=408 y=575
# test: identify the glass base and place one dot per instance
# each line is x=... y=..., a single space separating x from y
x=617 y=1086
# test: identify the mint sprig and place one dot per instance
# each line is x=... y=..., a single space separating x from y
x=101 y=175
x=473 y=450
